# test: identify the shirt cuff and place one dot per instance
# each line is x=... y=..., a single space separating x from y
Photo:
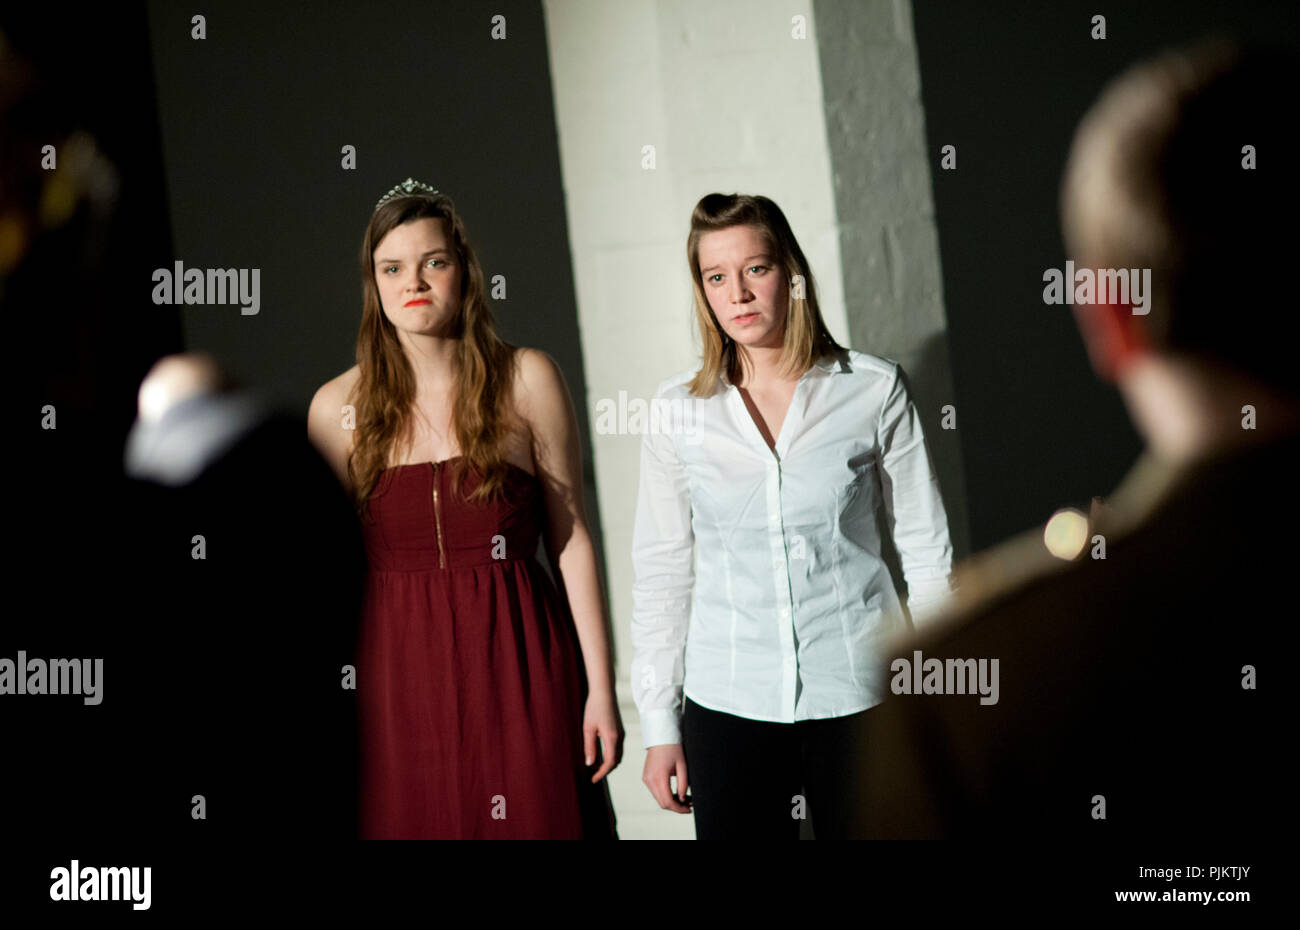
x=927 y=598
x=659 y=727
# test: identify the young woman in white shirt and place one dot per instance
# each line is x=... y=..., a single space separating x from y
x=754 y=663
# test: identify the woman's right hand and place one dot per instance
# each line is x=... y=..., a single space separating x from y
x=661 y=763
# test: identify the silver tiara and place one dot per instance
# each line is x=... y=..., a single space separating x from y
x=407 y=187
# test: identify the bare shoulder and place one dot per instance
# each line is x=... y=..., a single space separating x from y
x=539 y=385
x=331 y=396
x=543 y=403
x=325 y=419
x=535 y=368
x=343 y=383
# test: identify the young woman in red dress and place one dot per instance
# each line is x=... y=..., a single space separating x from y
x=486 y=697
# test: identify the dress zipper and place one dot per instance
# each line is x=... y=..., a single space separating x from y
x=437 y=516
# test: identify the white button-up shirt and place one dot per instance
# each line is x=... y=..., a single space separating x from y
x=778 y=612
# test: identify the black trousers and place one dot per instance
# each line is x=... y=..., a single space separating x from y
x=748 y=777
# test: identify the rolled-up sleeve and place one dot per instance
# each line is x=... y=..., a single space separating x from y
x=663 y=570
x=913 y=505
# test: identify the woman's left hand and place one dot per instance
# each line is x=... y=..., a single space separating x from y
x=601 y=721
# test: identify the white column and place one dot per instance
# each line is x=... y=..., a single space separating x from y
x=731 y=101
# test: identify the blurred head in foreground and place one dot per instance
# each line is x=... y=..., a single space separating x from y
x=1180 y=171
x=1183 y=167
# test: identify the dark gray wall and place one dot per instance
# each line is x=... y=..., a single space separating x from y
x=254 y=118
x=1007 y=82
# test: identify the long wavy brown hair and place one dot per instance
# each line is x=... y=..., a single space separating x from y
x=482 y=413
x=806 y=337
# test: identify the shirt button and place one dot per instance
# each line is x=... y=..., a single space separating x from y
x=785 y=611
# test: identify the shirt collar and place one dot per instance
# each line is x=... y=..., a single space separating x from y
x=827 y=364
x=1153 y=481
x=833 y=363
x=1149 y=482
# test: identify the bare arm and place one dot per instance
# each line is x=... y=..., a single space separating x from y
x=545 y=404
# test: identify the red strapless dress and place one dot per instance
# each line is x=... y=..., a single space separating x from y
x=470 y=679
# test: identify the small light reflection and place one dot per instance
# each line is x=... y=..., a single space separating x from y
x=1066 y=534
